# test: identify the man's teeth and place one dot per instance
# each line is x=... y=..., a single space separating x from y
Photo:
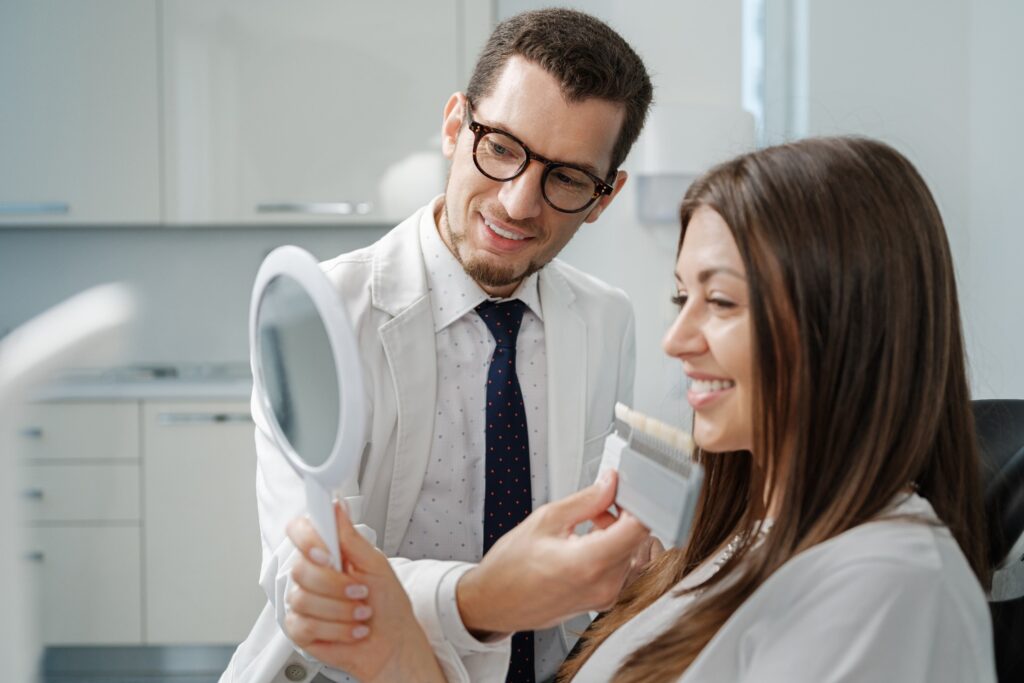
x=504 y=233
x=706 y=386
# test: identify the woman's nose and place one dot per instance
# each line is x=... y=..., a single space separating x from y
x=684 y=337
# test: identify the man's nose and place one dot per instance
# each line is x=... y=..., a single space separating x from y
x=521 y=197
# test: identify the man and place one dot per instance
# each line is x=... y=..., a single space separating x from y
x=555 y=102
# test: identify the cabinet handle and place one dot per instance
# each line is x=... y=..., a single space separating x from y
x=34 y=208
x=320 y=208
x=32 y=494
x=177 y=419
x=37 y=556
x=32 y=432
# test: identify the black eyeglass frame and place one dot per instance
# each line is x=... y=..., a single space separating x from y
x=601 y=188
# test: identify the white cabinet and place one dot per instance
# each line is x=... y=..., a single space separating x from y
x=202 y=547
x=89 y=430
x=292 y=111
x=88 y=582
x=141 y=521
x=79 y=124
x=80 y=492
x=226 y=112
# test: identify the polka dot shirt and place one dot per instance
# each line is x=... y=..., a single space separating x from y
x=447 y=522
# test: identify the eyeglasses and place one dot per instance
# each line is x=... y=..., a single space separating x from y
x=501 y=156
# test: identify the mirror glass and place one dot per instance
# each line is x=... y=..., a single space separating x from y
x=299 y=375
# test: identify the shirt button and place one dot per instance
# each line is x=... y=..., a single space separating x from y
x=295 y=672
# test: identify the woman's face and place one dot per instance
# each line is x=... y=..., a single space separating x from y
x=712 y=334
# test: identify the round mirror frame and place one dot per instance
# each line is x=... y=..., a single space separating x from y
x=303 y=268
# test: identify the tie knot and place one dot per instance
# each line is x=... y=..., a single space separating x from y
x=503 y=319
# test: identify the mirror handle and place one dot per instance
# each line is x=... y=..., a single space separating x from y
x=321 y=513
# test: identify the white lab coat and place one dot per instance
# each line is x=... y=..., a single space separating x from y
x=589 y=338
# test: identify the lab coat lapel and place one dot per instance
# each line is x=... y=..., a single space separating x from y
x=565 y=336
x=409 y=345
x=400 y=288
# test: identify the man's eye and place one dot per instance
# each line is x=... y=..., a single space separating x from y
x=566 y=180
x=498 y=150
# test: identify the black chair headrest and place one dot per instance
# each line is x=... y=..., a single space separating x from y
x=1000 y=428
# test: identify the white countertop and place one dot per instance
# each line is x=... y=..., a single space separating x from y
x=230 y=381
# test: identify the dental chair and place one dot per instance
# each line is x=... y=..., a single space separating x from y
x=1000 y=428
x=87 y=328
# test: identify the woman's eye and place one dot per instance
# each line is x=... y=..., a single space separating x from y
x=679 y=300
x=721 y=304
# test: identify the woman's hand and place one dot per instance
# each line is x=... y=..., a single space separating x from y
x=358 y=620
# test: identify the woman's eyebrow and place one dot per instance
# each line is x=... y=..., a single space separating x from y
x=706 y=274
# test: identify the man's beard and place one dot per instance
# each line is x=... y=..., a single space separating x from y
x=484 y=273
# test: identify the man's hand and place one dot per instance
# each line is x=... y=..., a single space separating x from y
x=650 y=550
x=359 y=620
x=541 y=573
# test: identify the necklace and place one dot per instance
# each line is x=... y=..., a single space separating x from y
x=735 y=544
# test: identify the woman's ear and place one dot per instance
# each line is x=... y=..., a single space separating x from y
x=454 y=113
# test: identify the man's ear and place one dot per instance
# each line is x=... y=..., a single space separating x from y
x=604 y=201
x=454 y=113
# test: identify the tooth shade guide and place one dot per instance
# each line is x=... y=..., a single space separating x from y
x=671 y=436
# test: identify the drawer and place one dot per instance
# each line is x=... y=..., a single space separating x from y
x=78 y=431
x=87 y=493
x=88 y=584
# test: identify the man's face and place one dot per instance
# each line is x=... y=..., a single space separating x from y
x=503 y=231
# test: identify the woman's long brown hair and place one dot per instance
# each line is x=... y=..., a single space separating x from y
x=861 y=389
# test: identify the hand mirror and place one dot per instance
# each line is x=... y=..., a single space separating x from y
x=308 y=378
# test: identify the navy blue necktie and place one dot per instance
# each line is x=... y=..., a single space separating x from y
x=507 y=498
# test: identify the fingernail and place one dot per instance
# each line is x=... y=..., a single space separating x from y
x=320 y=556
x=604 y=477
x=362 y=612
x=360 y=631
x=357 y=592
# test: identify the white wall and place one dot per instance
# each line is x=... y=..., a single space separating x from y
x=993 y=291
x=940 y=81
x=194 y=282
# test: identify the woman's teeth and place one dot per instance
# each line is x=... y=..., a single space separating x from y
x=504 y=233
x=706 y=386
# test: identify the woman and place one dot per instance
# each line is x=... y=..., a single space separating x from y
x=839 y=535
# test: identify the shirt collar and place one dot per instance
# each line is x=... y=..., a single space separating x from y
x=453 y=292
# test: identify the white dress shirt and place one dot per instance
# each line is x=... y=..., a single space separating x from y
x=447 y=523
x=891 y=600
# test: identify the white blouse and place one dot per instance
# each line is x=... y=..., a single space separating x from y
x=891 y=600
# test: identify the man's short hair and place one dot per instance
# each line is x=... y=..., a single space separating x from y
x=587 y=56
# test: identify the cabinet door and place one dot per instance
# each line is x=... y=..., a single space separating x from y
x=293 y=110
x=78 y=431
x=90 y=493
x=79 y=494
x=202 y=546
x=87 y=582
x=79 y=135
